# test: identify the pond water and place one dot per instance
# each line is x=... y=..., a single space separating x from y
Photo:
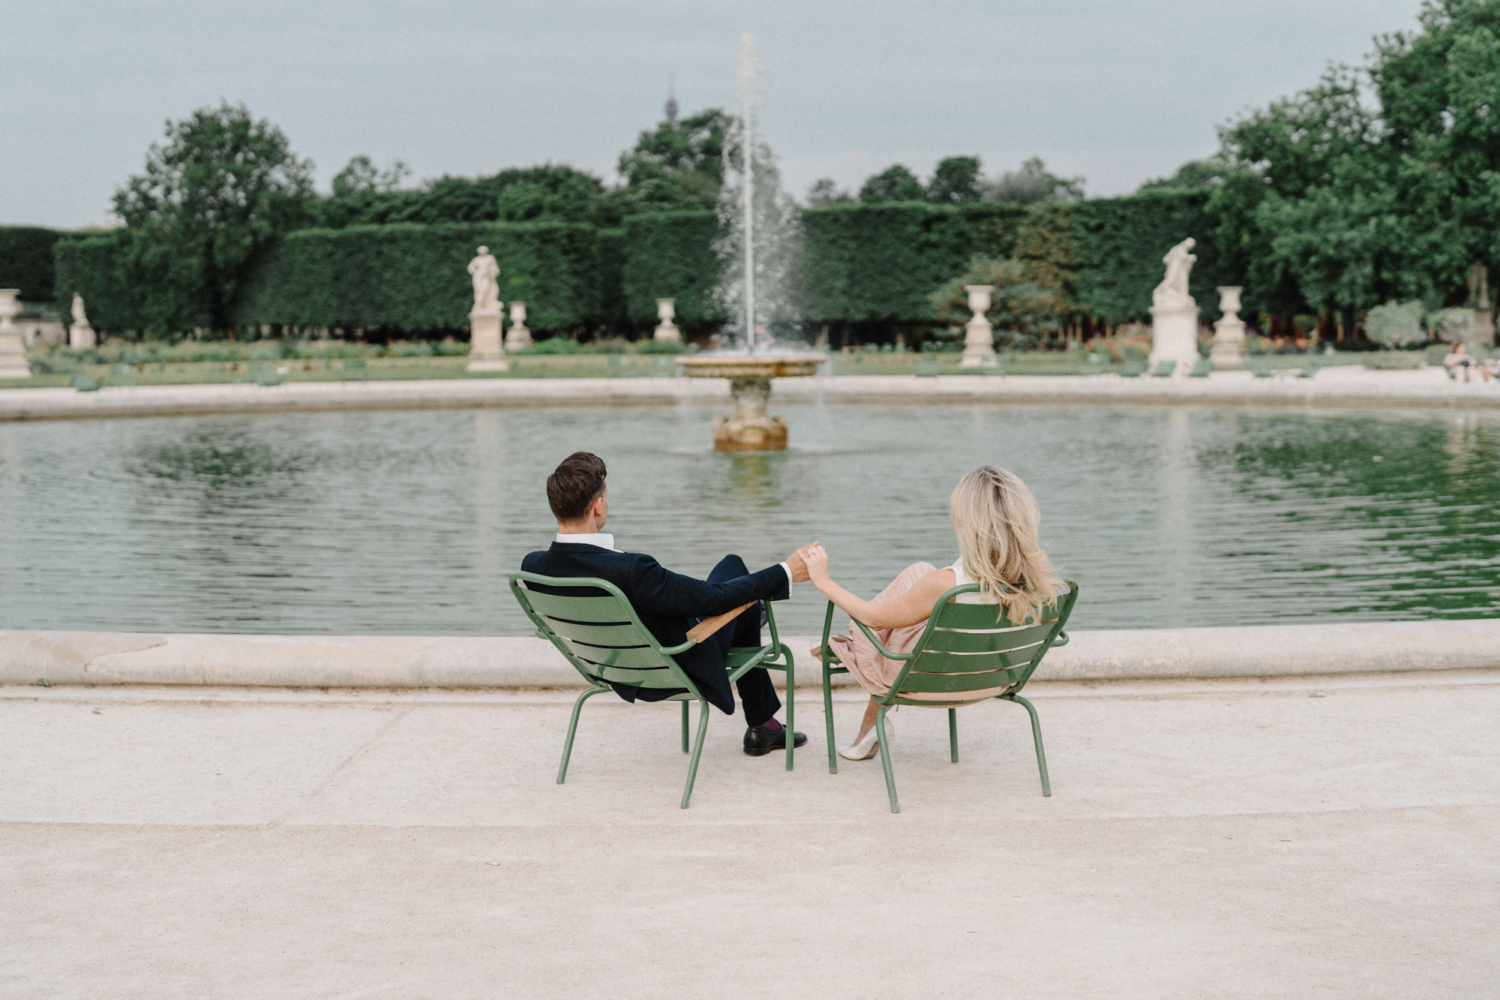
x=407 y=522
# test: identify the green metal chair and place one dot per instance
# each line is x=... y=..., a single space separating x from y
x=965 y=648
x=603 y=638
x=928 y=367
x=1310 y=369
x=1133 y=368
x=1164 y=369
x=1201 y=369
x=1259 y=366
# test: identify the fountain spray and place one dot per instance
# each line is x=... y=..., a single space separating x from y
x=748 y=60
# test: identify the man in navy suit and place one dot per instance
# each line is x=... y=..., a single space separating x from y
x=669 y=603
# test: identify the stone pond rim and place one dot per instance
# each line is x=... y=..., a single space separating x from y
x=750 y=428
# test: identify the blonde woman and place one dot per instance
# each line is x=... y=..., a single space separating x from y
x=995 y=518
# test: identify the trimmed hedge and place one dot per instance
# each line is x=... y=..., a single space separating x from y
x=670 y=255
x=1121 y=242
x=92 y=266
x=410 y=277
x=883 y=262
x=26 y=261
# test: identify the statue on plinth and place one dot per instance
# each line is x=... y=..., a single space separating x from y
x=1229 y=350
x=1174 y=313
x=13 y=363
x=1172 y=293
x=979 y=334
x=519 y=336
x=485 y=270
x=485 y=352
x=80 y=333
x=666 y=311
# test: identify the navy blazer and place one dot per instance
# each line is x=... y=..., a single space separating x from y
x=668 y=605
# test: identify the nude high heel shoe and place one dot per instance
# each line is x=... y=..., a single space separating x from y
x=870 y=745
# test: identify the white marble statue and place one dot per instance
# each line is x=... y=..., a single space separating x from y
x=79 y=316
x=80 y=333
x=1172 y=293
x=485 y=270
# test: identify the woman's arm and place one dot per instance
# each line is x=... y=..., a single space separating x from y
x=910 y=608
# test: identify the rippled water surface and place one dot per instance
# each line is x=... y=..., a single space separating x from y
x=408 y=522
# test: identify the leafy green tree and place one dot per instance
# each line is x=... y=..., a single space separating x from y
x=824 y=192
x=212 y=197
x=361 y=175
x=1193 y=175
x=956 y=181
x=675 y=166
x=1034 y=184
x=894 y=183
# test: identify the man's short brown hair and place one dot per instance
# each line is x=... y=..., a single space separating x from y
x=574 y=484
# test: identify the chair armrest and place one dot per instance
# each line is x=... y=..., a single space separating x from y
x=709 y=626
x=1061 y=640
x=879 y=646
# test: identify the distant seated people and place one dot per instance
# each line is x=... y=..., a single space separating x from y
x=995 y=518
x=1458 y=360
x=669 y=603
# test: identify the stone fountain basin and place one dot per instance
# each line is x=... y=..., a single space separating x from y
x=742 y=366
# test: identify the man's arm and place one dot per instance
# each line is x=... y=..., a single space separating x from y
x=656 y=590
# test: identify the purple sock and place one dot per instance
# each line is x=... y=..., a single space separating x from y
x=770 y=724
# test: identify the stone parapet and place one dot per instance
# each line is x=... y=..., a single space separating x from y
x=314 y=661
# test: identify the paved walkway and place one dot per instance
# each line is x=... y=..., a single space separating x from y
x=1227 y=838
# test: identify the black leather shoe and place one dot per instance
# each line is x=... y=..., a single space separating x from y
x=759 y=742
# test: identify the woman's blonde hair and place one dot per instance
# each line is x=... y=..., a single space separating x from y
x=995 y=518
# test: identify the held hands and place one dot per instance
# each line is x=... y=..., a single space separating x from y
x=815 y=557
x=798 y=567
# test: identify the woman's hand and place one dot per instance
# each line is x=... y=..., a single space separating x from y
x=816 y=558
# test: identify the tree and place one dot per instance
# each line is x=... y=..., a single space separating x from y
x=360 y=176
x=956 y=181
x=824 y=192
x=894 y=183
x=676 y=166
x=214 y=196
x=1033 y=184
x=1194 y=175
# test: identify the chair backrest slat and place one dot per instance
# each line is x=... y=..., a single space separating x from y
x=974 y=651
x=596 y=629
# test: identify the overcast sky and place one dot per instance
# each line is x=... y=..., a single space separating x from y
x=1112 y=90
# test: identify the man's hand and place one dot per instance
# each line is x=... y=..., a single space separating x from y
x=798 y=566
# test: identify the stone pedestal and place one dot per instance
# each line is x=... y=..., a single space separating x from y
x=750 y=429
x=485 y=354
x=666 y=311
x=12 y=346
x=518 y=336
x=1174 y=337
x=82 y=335
x=979 y=335
x=1484 y=326
x=1229 y=350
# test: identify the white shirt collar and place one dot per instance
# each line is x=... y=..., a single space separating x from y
x=602 y=539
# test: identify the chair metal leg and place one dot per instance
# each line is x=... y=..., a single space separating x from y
x=562 y=771
x=1036 y=734
x=687 y=793
x=953 y=733
x=833 y=755
x=885 y=758
x=791 y=706
x=684 y=727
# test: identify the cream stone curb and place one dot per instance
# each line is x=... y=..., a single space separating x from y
x=1336 y=386
x=297 y=661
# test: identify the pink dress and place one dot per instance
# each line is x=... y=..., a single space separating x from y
x=875 y=672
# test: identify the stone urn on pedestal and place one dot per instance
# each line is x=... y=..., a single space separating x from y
x=518 y=337
x=666 y=311
x=979 y=334
x=1174 y=314
x=1229 y=350
x=12 y=348
x=485 y=353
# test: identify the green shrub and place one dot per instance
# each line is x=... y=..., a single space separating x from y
x=413 y=278
x=93 y=266
x=650 y=346
x=1395 y=324
x=1121 y=242
x=670 y=255
x=554 y=345
x=26 y=261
